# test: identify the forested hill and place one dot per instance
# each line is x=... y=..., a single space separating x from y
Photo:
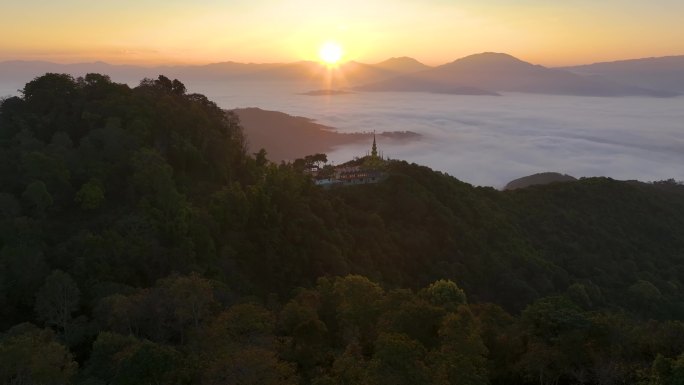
x=141 y=244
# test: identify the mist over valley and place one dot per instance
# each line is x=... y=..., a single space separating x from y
x=472 y=127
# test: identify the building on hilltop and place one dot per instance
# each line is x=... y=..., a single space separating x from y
x=366 y=170
x=374 y=160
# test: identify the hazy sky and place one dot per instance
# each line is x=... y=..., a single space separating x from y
x=433 y=31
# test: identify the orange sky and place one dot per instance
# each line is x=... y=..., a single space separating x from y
x=432 y=31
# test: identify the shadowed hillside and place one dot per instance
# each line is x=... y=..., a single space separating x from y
x=287 y=137
x=141 y=243
x=538 y=179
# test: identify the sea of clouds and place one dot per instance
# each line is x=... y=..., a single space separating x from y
x=488 y=140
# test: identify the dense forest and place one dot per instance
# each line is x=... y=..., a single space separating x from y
x=141 y=244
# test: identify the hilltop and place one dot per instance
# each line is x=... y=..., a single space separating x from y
x=538 y=179
x=142 y=243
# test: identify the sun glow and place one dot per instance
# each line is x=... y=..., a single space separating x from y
x=331 y=53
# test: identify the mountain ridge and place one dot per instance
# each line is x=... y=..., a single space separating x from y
x=499 y=72
x=483 y=73
x=666 y=72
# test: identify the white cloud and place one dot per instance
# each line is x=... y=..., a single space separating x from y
x=491 y=140
x=487 y=140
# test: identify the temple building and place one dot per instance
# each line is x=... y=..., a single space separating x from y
x=366 y=170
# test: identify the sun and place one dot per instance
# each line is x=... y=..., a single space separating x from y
x=331 y=53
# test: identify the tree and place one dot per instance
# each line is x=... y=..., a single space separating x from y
x=361 y=302
x=126 y=360
x=238 y=347
x=177 y=87
x=461 y=359
x=192 y=298
x=25 y=268
x=57 y=299
x=645 y=296
x=260 y=158
x=29 y=355
x=9 y=206
x=91 y=195
x=38 y=165
x=351 y=368
x=416 y=318
x=310 y=161
x=556 y=346
x=398 y=360
x=240 y=326
x=37 y=197
x=250 y=366
x=307 y=342
x=445 y=293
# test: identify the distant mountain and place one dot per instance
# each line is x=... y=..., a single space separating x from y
x=663 y=73
x=402 y=65
x=345 y=75
x=502 y=72
x=539 y=179
x=310 y=72
x=481 y=74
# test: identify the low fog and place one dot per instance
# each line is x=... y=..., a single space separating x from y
x=490 y=140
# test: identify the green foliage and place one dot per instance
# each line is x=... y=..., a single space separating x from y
x=446 y=293
x=118 y=359
x=242 y=325
x=179 y=258
x=37 y=197
x=461 y=358
x=250 y=366
x=29 y=355
x=90 y=196
x=306 y=163
x=398 y=360
x=57 y=299
x=667 y=371
x=24 y=269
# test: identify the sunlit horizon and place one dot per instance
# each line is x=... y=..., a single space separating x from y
x=266 y=31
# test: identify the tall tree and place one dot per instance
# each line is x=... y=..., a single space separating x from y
x=57 y=299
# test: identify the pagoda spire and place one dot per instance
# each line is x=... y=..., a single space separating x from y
x=374 y=149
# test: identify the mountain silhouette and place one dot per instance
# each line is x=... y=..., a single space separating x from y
x=502 y=72
x=402 y=65
x=480 y=74
x=539 y=179
x=663 y=73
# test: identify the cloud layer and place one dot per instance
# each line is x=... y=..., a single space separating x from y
x=489 y=141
